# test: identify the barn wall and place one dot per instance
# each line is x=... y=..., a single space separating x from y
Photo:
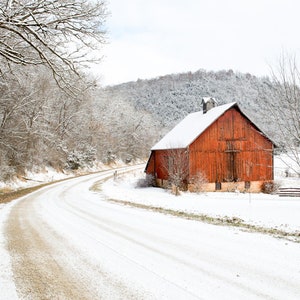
x=162 y=162
x=232 y=149
x=150 y=164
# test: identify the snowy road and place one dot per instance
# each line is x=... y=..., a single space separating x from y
x=67 y=242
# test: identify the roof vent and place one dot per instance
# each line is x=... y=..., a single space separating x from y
x=208 y=103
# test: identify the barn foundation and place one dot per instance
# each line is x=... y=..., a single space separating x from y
x=242 y=186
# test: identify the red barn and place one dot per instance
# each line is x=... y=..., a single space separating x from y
x=221 y=144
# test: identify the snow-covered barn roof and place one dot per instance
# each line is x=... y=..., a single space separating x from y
x=184 y=133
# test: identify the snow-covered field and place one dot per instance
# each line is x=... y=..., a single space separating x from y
x=264 y=210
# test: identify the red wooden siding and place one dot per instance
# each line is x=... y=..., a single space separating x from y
x=160 y=160
x=151 y=164
x=232 y=149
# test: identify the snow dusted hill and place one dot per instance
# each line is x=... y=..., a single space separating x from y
x=171 y=97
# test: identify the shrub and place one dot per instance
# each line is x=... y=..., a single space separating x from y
x=199 y=181
x=81 y=158
x=147 y=181
x=269 y=187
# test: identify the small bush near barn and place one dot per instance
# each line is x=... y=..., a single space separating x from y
x=199 y=182
x=269 y=187
x=147 y=181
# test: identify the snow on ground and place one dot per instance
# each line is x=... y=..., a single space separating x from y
x=285 y=166
x=145 y=249
x=264 y=210
x=49 y=174
x=7 y=286
x=118 y=252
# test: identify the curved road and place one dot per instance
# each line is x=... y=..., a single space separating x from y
x=67 y=242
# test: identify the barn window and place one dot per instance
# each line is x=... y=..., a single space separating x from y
x=218 y=186
x=247 y=185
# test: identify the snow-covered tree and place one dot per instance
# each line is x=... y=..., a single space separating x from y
x=176 y=165
x=284 y=109
x=59 y=34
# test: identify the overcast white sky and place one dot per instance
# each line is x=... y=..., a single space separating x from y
x=149 y=38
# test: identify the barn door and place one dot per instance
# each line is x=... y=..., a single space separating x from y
x=232 y=162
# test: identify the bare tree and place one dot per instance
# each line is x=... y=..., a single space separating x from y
x=119 y=131
x=284 y=108
x=176 y=164
x=22 y=103
x=57 y=33
x=39 y=123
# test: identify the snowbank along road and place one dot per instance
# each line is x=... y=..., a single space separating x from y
x=67 y=242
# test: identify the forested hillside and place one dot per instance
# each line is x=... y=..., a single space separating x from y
x=42 y=125
x=170 y=98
